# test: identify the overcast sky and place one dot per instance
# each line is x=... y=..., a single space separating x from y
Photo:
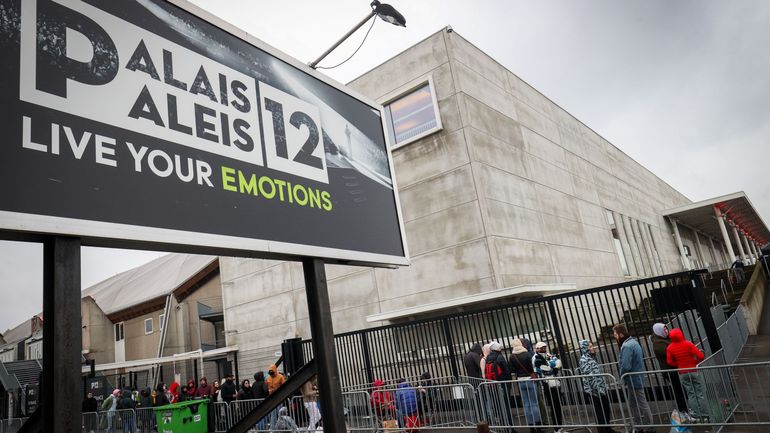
x=681 y=86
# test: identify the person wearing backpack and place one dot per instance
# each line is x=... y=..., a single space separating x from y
x=496 y=368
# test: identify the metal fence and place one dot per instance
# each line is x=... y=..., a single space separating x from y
x=11 y=425
x=437 y=345
x=734 y=333
x=551 y=403
x=715 y=394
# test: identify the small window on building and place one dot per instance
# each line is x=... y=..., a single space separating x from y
x=616 y=242
x=119 y=336
x=413 y=115
x=686 y=250
x=160 y=321
x=148 y=326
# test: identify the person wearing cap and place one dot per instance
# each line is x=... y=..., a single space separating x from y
x=547 y=367
x=660 y=341
x=496 y=368
x=228 y=391
x=381 y=401
x=110 y=404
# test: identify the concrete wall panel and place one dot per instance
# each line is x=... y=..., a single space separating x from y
x=496 y=153
x=445 y=228
x=510 y=221
x=448 y=190
x=429 y=157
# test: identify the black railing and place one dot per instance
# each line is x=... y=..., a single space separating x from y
x=438 y=344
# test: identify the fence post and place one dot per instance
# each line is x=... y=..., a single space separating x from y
x=450 y=348
x=698 y=296
x=557 y=335
x=367 y=357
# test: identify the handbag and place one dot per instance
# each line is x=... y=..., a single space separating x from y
x=389 y=424
x=412 y=423
x=532 y=375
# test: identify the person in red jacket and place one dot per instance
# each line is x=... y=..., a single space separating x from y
x=685 y=356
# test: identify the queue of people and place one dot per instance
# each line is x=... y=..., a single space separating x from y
x=541 y=399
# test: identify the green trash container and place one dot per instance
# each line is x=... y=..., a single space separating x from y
x=186 y=417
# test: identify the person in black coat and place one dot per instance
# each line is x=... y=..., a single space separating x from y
x=472 y=362
x=246 y=392
x=259 y=387
x=127 y=403
x=228 y=390
x=90 y=407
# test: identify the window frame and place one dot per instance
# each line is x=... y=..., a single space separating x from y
x=119 y=330
x=403 y=92
x=161 y=317
x=152 y=326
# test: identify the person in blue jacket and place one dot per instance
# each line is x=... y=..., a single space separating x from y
x=406 y=401
x=631 y=360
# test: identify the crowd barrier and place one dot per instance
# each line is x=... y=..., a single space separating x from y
x=733 y=334
x=550 y=403
x=11 y=425
x=715 y=393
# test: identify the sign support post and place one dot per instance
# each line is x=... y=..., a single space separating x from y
x=62 y=340
x=324 y=351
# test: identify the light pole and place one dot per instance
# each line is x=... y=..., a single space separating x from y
x=383 y=10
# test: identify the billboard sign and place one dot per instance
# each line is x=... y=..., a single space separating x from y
x=151 y=122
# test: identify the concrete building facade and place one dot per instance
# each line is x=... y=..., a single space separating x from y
x=510 y=197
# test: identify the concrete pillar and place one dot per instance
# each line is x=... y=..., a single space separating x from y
x=634 y=246
x=640 y=245
x=698 y=247
x=737 y=237
x=678 y=239
x=713 y=252
x=620 y=227
x=725 y=237
x=648 y=247
x=656 y=241
x=729 y=260
x=751 y=248
x=746 y=245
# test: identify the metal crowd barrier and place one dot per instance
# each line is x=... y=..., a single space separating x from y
x=11 y=425
x=219 y=412
x=717 y=394
x=550 y=403
x=145 y=420
x=733 y=334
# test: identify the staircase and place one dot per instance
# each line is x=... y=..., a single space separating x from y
x=721 y=285
x=26 y=372
x=640 y=319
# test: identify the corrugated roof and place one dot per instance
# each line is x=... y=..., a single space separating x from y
x=159 y=277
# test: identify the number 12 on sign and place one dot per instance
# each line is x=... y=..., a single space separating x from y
x=293 y=138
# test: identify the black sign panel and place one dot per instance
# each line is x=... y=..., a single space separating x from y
x=139 y=121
